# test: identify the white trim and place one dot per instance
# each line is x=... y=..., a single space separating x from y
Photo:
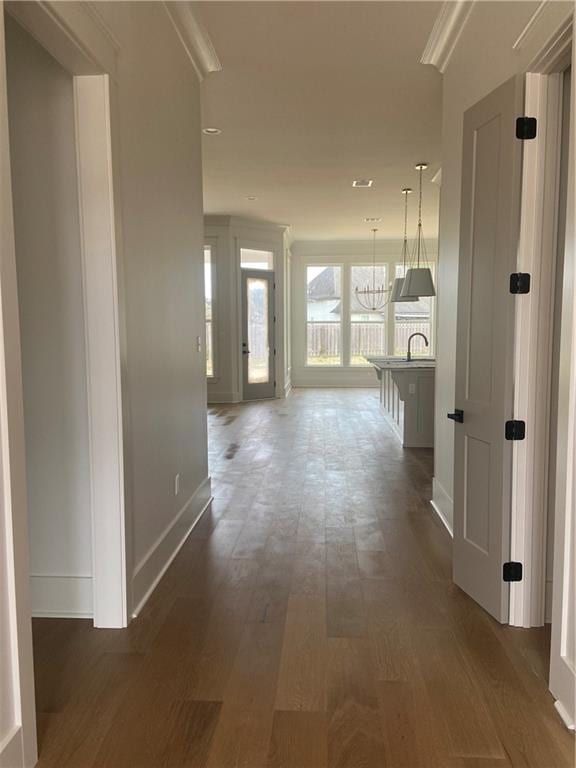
x=11 y=752
x=334 y=376
x=224 y=397
x=443 y=505
x=533 y=348
x=446 y=32
x=562 y=671
x=195 y=39
x=156 y=561
x=567 y=718
x=555 y=55
x=14 y=558
x=102 y=332
x=73 y=33
x=61 y=596
x=529 y=26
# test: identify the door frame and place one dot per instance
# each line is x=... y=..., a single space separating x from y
x=64 y=33
x=534 y=329
x=80 y=41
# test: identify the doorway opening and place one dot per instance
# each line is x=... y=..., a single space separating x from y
x=65 y=245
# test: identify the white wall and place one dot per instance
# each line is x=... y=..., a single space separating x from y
x=483 y=58
x=158 y=192
x=227 y=235
x=333 y=252
x=48 y=260
x=155 y=127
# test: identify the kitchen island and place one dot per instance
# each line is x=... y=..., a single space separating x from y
x=407 y=397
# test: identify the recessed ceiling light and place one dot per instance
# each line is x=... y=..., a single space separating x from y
x=362 y=182
x=211 y=131
x=251 y=197
x=370 y=219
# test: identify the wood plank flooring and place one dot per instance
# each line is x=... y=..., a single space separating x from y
x=309 y=621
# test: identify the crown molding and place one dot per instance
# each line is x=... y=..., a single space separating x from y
x=446 y=32
x=530 y=25
x=195 y=39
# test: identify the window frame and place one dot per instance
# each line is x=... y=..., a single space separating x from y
x=350 y=322
x=342 y=363
x=346 y=264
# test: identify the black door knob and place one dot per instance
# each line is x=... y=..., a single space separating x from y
x=458 y=415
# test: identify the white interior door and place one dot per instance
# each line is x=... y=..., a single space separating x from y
x=258 y=334
x=491 y=179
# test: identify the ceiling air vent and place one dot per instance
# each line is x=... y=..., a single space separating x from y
x=362 y=183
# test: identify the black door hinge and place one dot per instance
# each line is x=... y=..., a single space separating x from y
x=526 y=128
x=512 y=571
x=515 y=430
x=520 y=282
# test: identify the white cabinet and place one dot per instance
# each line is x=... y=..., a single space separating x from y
x=407 y=398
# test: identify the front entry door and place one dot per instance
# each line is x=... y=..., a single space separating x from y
x=258 y=355
x=491 y=186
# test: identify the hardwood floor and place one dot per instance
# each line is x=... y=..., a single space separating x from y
x=309 y=621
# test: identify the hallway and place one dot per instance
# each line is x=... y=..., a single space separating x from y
x=308 y=621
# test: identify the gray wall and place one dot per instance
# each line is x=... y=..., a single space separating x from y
x=48 y=259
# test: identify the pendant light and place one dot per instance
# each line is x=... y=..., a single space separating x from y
x=418 y=280
x=375 y=298
x=396 y=294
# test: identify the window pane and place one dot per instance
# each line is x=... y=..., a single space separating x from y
x=253 y=259
x=324 y=314
x=413 y=317
x=208 y=310
x=258 y=342
x=368 y=334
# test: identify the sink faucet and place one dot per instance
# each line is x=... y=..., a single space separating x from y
x=409 y=355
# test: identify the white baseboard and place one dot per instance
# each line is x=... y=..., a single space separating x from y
x=61 y=596
x=155 y=563
x=443 y=505
x=316 y=376
x=216 y=398
x=567 y=719
x=11 y=749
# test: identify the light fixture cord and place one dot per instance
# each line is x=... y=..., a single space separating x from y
x=374 y=268
x=405 y=246
x=419 y=219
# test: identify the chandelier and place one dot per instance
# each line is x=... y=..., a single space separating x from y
x=376 y=297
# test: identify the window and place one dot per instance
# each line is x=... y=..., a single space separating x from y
x=413 y=317
x=340 y=332
x=208 y=305
x=324 y=315
x=254 y=259
x=368 y=328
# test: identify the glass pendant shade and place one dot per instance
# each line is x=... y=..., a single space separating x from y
x=418 y=282
x=396 y=294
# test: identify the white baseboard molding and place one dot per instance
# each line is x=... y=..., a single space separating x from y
x=61 y=596
x=334 y=377
x=443 y=505
x=158 y=558
x=216 y=398
x=567 y=719
x=11 y=749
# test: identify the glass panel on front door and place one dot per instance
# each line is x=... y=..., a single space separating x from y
x=258 y=340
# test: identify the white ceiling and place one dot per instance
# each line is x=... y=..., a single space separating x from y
x=311 y=96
